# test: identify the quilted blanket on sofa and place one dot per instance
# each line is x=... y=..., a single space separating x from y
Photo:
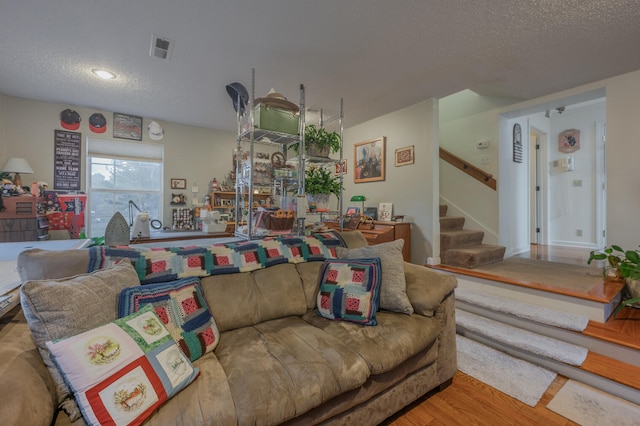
x=170 y=263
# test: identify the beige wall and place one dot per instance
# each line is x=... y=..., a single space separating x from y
x=193 y=153
x=413 y=189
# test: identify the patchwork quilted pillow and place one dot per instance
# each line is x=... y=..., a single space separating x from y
x=393 y=290
x=183 y=309
x=123 y=371
x=350 y=290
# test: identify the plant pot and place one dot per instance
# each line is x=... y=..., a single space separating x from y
x=633 y=290
x=314 y=151
x=318 y=202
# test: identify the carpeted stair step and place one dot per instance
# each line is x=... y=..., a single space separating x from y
x=468 y=325
x=473 y=256
x=443 y=209
x=470 y=300
x=460 y=238
x=451 y=223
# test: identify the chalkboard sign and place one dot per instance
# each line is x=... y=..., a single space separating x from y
x=67 y=160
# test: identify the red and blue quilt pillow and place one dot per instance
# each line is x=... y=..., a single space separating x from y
x=350 y=290
x=183 y=310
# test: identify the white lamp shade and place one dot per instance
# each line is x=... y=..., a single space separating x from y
x=16 y=165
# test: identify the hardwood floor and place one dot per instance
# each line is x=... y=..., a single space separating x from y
x=468 y=401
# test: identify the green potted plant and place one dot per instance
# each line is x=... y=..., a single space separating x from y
x=624 y=266
x=319 y=142
x=319 y=184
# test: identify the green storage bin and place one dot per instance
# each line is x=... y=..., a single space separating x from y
x=277 y=120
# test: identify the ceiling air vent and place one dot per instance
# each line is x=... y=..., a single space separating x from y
x=161 y=47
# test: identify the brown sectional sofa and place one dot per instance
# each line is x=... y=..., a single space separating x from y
x=277 y=361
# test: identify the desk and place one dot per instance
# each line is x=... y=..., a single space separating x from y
x=383 y=232
x=165 y=236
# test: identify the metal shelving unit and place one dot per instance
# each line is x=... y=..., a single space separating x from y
x=250 y=135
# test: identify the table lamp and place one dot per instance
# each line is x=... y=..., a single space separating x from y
x=362 y=199
x=17 y=166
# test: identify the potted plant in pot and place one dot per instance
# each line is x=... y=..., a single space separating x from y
x=623 y=266
x=319 y=184
x=319 y=142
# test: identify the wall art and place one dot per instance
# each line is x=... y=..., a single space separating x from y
x=404 y=156
x=178 y=183
x=368 y=161
x=127 y=126
x=517 y=143
x=344 y=167
x=569 y=141
x=67 y=165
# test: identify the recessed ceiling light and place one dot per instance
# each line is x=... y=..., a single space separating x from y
x=104 y=74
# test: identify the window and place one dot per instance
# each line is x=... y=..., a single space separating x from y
x=120 y=174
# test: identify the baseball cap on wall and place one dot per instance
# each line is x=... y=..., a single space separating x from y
x=70 y=119
x=97 y=123
x=156 y=132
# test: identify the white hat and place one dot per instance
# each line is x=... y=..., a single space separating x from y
x=156 y=132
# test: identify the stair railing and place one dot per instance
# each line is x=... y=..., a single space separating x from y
x=468 y=168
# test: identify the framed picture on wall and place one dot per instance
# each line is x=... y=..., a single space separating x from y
x=178 y=183
x=127 y=126
x=368 y=160
x=404 y=156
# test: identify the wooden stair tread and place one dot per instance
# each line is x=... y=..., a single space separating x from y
x=612 y=369
x=600 y=294
x=624 y=330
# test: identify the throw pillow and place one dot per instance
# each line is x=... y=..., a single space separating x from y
x=123 y=371
x=350 y=290
x=393 y=290
x=64 y=307
x=183 y=309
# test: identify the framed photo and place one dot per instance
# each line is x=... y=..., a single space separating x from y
x=404 y=156
x=127 y=126
x=178 y=183
x=344 y=167
x=352 y=211
x=368 y=160
x=385 y=212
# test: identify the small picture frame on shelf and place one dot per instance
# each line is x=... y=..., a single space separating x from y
x=353 y=211
x=178 y=183
x=385 y=212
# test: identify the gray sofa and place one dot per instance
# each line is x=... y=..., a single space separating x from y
x=277 y=361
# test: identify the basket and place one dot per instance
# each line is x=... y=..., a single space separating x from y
x=268 y=220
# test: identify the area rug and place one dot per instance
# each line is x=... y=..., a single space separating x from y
x=524 y=310
x=520 y=339
x=589 y=406
x=517 y=378
x=576 y=278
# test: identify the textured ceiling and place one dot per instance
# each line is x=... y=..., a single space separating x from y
x=379 y=55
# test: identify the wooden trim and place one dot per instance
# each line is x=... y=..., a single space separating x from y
x=468 y=168
x=600 y=294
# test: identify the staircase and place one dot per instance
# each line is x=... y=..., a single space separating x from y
x=612 y=362
x=463 y=248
